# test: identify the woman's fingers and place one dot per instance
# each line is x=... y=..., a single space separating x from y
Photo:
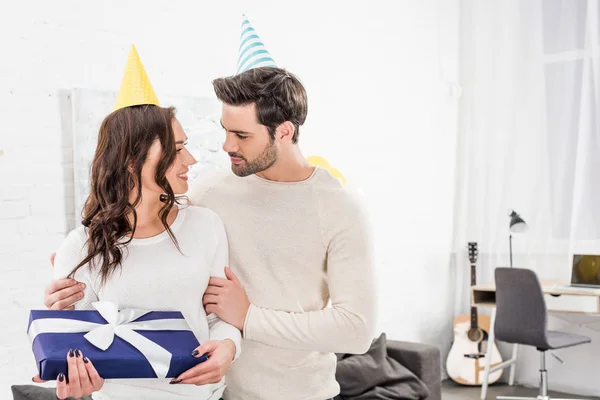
x=212 y=290
x=204 y=379
x=96 y=380
x=210 y=299
x=84 y=379
x=62 y=390
x=74 y=385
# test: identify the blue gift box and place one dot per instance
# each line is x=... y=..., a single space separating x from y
x=120 y=359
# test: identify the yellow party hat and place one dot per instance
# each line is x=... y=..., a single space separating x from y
x=135 y=88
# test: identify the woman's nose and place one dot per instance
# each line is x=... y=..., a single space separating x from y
x=189 y=160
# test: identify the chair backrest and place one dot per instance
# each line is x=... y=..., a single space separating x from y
x=521 y=315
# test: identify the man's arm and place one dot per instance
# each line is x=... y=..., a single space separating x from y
x=348 y=325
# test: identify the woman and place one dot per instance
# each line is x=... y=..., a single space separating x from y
x=141 y=249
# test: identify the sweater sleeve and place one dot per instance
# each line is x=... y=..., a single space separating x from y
x=348 y=325
x=219 y=329
x=71 y=252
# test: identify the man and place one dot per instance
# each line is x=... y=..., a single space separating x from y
x=297 y=240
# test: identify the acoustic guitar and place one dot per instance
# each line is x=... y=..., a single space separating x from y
x=467 y=357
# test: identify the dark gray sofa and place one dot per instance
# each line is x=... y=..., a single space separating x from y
x=390 y=369
x=423 y=360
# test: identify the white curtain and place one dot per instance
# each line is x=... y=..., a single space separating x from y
x=529 y=141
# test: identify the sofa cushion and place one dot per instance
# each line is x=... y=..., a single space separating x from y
x=376 y=375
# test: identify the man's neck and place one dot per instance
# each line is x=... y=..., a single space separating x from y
x=290 y=167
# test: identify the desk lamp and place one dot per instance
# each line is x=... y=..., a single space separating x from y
x=516 y=225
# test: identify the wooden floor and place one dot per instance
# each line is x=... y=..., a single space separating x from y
x=453 y=391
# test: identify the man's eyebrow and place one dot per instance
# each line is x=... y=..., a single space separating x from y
x=238 y=132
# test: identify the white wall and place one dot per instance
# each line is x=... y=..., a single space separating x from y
x=380 y=111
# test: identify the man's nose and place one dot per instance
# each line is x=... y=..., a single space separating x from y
x=230 y=145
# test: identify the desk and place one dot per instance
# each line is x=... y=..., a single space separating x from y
x=569 y=300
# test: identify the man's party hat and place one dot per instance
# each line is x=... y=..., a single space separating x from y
x=252 y=52
x=135 y=88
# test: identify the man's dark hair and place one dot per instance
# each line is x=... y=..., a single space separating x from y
x=279 y=96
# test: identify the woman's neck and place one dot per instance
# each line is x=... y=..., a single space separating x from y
x=148 y=221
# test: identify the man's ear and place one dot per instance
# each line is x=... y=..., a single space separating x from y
x=285 y=131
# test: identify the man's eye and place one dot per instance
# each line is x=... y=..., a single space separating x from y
x=241 y=137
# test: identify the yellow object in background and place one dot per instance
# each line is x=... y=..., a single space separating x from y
x=588 y=267
x=136 y=88
x=321 y=162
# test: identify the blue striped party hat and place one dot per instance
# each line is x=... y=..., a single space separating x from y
x=252 y=52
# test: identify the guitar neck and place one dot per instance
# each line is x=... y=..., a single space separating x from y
x=473 y=259
x=473 y=309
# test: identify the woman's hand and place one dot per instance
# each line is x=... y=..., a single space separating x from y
x=227 y=299
x=83 y=377
x=220 y=355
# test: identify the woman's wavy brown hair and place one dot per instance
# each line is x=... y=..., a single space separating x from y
x=125 y=138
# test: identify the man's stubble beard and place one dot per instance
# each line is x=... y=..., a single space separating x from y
x=263 y=161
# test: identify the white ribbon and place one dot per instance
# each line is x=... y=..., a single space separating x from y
x=120 y=323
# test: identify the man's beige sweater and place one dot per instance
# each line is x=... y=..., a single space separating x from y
x=295 y=246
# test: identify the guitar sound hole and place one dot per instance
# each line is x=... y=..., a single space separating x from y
x=475 y=335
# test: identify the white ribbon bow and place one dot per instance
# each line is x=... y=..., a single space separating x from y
x=120 y=323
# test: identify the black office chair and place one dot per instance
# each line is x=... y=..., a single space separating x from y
x=522 y=318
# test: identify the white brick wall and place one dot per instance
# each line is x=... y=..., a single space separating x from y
x=379 y=111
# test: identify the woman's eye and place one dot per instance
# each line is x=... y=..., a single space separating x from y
x=182 y=146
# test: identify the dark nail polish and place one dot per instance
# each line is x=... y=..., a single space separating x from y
x=85 y=360
x=174 y=382
x=77 y=353
x=71 y=353
x=61 y=377
x=195 y=353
